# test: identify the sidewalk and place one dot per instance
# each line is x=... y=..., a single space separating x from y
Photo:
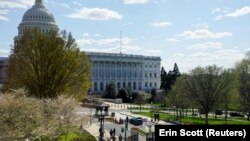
x=93 y=129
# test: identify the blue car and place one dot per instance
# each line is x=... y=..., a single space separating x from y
x=136 y=121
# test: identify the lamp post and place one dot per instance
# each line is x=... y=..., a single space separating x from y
x=152 y=110
x=126 y=128
x=101 y=119
x=131 y=104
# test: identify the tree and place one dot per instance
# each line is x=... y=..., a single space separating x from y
x=48 y=65
x=168 y=79
x=123 y=94
x=243 y=72
x=111 y=91
x=153 y=95
x=28 y=118
x=178 y=97
x=206 y=86
x=141 y=98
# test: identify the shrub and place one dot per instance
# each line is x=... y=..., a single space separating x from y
x=23 y=117
x=234 y=114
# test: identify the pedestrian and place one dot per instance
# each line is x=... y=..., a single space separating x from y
x=114 y=131
x=120 y=137
x=111 y=132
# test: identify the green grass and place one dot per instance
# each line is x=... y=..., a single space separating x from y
x=198 y=121
x=76 y=135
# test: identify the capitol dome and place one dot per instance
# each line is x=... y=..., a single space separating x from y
x=38 y=16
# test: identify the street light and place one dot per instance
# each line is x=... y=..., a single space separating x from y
x=131 y=104
x=126 y=128
x=101 y=119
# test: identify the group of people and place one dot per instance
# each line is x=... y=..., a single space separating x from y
x=112 y=135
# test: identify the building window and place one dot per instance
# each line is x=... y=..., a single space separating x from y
x=129 y=85
x=139 y=85
x=150 y=84
x=150 y=75
x=95 y=86
x=124 y=85
x=134 y=85
x=146 y=84
x=118 y=85
x=155 y=75
x=155 y=85
x=146 y=75
x=101 y=86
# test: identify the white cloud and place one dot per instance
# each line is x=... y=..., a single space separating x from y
x=76 y=3
x=240 y=12
x=203 y=34
x=162 y=24
x=152 y=52
x=2 y=18
x=135 y=1
x=215 y=10
x=16 y=4
x=172 y=40
x=104 y=42
x=4 y=52
x=217 y=18
x=4 y=11
x=207 y=45
x=220 y=57
x=65 y=5
x=86 y=34
x=95 y=14
x=201 y=25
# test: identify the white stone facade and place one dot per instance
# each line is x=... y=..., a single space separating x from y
x=135 y=71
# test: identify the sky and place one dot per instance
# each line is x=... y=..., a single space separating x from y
x=190 y=33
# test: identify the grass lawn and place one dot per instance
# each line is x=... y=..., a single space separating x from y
x=76 y=135
x=198 y=121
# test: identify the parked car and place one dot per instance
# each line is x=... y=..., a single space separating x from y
x=136 y=121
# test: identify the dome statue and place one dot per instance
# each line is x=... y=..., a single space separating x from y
x=37 y=16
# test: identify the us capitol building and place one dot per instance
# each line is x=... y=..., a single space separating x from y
x=134 y=71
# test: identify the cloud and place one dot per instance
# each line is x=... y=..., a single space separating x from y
x=240 y=12
x=152 y=52
x=220 y=57
x=201 y=25
x=203 y=34
x=4 y=11
x=95 y=14
x=162 y=24
x=217 y=18
x=65 y=5
x=207 y=45
x=104 y=42
x=135 y=1
x=172 y=40
x=24 y=4
x=215 y=10
x=76 y=3
x=4 y=52
x=2 y=18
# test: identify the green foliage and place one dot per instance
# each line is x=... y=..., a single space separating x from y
x=207 y=85
x=111 y=90
x=168 y=79
x=48 y=65
x=243 y=73
x=142 y=98
x=123 y=95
